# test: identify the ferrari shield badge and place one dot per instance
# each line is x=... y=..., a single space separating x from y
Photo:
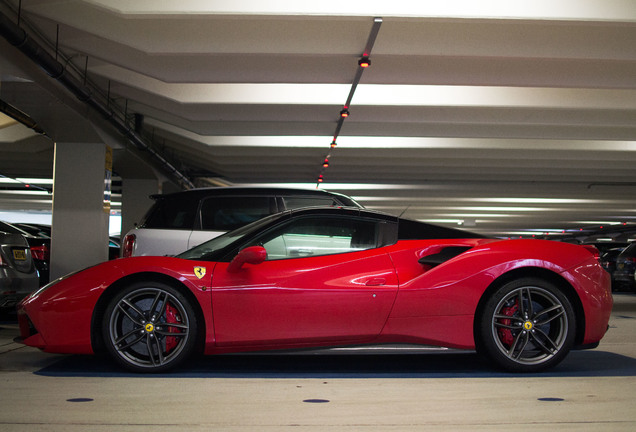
x=199 y=272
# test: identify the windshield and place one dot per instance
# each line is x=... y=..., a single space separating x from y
x=210 y=249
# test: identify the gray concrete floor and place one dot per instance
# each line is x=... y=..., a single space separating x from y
x=444 y=391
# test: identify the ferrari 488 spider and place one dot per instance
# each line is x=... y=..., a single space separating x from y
x=328 y=277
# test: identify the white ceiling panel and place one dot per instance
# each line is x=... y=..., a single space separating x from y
x=504 y=117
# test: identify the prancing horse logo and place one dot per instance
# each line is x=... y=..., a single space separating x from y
x=199 y=272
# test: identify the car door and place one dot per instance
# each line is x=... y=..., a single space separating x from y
x=325 y=281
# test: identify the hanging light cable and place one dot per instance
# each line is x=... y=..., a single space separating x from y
x=363 y=63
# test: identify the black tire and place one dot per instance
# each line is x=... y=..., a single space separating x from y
x=527 y=325
x=149 y=327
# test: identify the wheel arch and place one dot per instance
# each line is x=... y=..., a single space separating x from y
x=540 y=273
x=100 y=307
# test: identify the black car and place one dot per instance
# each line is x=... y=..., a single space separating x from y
x=608 y=259
x=36 y=230
x=623 y=276
x=605 y=246
x=608 y=262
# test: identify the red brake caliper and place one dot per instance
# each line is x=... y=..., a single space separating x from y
x=505 y=335
x=171 y=318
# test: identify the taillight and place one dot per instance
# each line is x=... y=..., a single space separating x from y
x=41 y=252
x=128 y=245
x=594 y=251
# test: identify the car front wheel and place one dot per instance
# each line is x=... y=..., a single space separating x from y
x=527 y=325
x=149 y=327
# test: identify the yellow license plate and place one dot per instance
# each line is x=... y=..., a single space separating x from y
x=19 y=255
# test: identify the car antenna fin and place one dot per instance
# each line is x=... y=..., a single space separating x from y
x=405 y=210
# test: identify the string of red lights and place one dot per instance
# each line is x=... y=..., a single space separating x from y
x=363 y=63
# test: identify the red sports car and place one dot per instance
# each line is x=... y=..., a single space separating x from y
x=328 y=277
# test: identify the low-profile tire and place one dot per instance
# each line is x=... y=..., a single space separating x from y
x=527 y=325
x=149 y=327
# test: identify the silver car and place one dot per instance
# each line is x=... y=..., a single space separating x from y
x=18 y=276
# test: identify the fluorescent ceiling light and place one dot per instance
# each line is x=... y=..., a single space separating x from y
x=520 y=233
x=20 y=180
x=7 y=180
x=374 y=94
x=29 y=201
x=603 y=10
x=546 y=231
x=401 y=199
x=375 y=142
x=493 y=208
x=597 y=222
x=442 y=221
x=36 y=181
x=471 y=96
x=346 y=186
x=29 y=192
x=537 y=200
x=481 y=215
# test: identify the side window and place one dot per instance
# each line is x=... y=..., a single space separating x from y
x=228 y=213
x=172 y=214
x=295 y=202
x=315 y=236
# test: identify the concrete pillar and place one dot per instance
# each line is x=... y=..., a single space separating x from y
x=135 y=201
x=79 y=236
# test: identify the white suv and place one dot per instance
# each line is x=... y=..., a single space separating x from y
x=179 y=221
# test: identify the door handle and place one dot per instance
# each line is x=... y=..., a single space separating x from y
x=375 y=281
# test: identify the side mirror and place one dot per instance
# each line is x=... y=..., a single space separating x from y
x=249 y=255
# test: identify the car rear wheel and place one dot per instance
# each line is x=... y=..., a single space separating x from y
x=149 y=327
x=527 y=325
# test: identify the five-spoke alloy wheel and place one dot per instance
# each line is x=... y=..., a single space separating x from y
x=149 y=327
x=527 y=325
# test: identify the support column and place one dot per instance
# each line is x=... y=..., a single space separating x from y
x=79 y=236
x=135 y=201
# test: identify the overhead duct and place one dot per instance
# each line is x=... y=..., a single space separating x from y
x=20 y=117
x=17 y=37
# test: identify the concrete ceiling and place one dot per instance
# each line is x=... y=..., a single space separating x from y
x=507 y=116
